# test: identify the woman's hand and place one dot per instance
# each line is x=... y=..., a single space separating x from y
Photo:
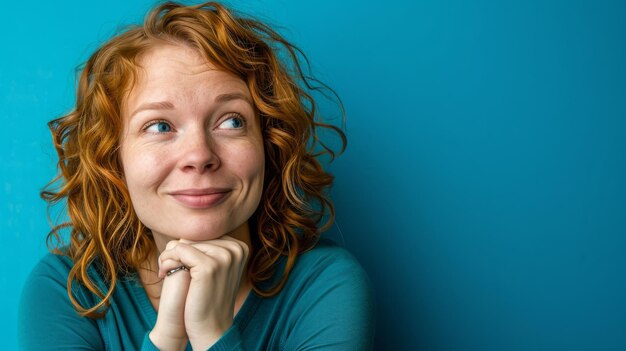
x=169 y=331
x=206 y=293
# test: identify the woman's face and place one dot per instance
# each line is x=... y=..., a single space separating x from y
x=191 y=148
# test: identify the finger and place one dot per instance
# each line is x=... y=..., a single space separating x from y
x=224 y=240
x=237 y=248
x=176 y=270
x=233 y=249
x=222 y=250
x=237 y=241
x=172 y=301
x=203 y=259
x=182 y=254
x=171 y=244
x=168 y=265
x=225 y=254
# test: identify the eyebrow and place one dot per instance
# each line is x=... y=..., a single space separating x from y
x=232 y=96
x=166 y=105
x=161 y=105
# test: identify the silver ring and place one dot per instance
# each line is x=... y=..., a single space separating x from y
x=181 y=268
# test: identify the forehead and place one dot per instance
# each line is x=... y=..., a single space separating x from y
x=169 y=71
x=173 y=57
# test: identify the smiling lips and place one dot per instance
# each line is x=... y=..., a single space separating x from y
x=200 y=198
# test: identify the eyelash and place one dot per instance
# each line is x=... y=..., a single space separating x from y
x=155 y=122
x=229 y=117
x=237 y=116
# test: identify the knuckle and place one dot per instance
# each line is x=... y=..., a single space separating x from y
x=210 y=268
x=171 y=244
x=245 y=249
x=241 y=250
x=236 y=247
x=224 y=256
x=178 y=249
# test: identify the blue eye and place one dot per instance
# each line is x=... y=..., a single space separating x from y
x=235 y=122
x=159 y=127
x=163 y=127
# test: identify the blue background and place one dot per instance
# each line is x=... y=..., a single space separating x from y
x=483 y=188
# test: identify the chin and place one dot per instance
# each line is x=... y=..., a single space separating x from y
x=203 y=235
x=206 y=232
x=199 y=230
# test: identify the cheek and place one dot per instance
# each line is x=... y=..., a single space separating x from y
x=142 y=169
x=251 y=165
x=251 y=170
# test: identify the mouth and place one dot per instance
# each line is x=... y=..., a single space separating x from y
x=200 y=198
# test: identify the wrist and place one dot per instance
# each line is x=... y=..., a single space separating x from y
x=165 y=340
x=205 y=340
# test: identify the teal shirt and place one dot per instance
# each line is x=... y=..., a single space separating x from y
x=326 y=305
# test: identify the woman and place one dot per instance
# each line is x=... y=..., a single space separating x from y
x=195 y=201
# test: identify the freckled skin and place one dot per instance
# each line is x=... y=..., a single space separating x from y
x=202 y=149
x=190 y=128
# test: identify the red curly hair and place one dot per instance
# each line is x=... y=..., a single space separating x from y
x=103 y=226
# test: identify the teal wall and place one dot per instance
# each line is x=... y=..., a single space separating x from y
x=483 y=188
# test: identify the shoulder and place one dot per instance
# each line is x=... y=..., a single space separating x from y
x=330 y=274
x=329 y=301
x=46 y=316
x=50 y=268
x=49 y=278
x=329 y=259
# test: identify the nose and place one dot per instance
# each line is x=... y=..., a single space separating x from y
x=198 y=152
